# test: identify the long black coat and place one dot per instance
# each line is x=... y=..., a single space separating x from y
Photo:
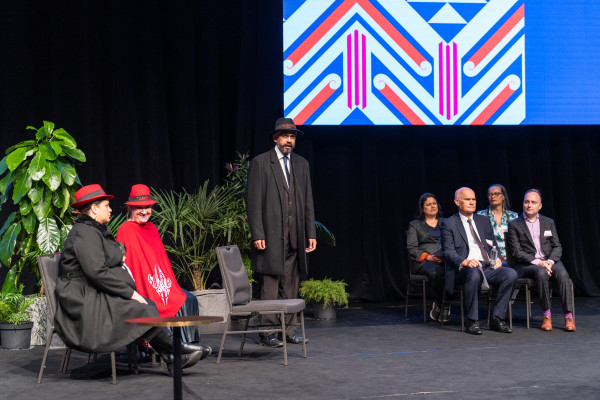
x=94 y=303
x=266 y=210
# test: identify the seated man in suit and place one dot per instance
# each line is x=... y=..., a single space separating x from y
x=536 y=250
x=466 y=240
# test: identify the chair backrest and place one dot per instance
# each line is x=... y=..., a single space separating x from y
x=235 y=277
x=48 y=265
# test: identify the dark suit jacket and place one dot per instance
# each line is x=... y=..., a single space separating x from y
x=521 y=243
x=418 y=242
x=455 y=244
x=266 y=207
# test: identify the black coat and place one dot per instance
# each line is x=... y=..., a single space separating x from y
x=521 y=243
x=418 y=242
x=266 y=210
x=95 y=301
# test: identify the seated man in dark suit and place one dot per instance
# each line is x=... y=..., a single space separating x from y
x=466 y=240
x=536 y=250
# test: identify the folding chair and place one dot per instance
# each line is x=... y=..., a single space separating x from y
x=237 y=285
x=48 y=266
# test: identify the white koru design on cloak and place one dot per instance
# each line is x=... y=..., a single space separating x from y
x=160 y=283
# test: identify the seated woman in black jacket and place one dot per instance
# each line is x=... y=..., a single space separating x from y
x=423 y=241
x=95 y=295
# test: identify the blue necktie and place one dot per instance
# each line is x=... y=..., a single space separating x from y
x=287 y=171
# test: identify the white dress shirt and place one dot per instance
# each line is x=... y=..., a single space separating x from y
x=474 y=251
x=280 y=156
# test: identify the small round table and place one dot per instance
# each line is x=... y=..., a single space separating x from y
x=176 y=323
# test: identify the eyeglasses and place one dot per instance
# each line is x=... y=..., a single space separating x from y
x=494 y=194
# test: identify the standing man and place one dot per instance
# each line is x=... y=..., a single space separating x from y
x=536 y=250
x=467 y=239
x=282 y=223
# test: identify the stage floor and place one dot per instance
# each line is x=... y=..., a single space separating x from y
x=369 y=352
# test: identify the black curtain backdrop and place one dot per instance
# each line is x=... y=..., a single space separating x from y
x=165 y=92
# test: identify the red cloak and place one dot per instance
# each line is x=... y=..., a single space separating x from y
x=147 y=259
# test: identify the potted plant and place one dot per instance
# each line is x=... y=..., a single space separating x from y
x=41 y=176
x=324 y=295
x=15 y=319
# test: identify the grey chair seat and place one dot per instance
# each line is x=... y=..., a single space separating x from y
x=287 y=306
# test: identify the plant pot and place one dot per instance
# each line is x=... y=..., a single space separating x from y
x=213 y=302
x=328 y=312
x=16 y=336
x=39 y=316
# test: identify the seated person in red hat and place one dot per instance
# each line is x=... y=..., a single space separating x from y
x=95 y=295
x=150 y=265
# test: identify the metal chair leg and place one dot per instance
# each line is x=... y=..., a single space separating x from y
x=462 y=310
x=113 y=366
x=303 y=333
x=223 y=339
x=282 y=318
x=424 y=302
x=406 y=301
x=244 y=337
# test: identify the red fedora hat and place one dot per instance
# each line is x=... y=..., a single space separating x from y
x=140 y=196
x=89 y=193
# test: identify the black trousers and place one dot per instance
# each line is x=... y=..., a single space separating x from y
x=542 y=282
x=436 y=274
x=503 y=278
x=284 y=286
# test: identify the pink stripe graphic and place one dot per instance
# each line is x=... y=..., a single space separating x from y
x=364 y=71
x=447 y=82
x=356 y=66
x=441 y=68
x=349 y=62
x=455 y=79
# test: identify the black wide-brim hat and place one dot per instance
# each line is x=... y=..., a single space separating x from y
x=286 y=125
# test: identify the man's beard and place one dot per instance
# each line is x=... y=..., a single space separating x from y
x=285 y=151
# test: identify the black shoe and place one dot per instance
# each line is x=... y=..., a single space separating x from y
x=445 y=317
x=473 y=328
x=187 y=360
x=498 y=325
x=434 y=314
x=188 y=348
x=295 y=339
x=270 y=341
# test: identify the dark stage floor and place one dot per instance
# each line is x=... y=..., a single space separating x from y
x=370 y=352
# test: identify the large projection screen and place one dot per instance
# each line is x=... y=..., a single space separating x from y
x=434 y=62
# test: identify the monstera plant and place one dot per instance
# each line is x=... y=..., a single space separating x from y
x=39 y=176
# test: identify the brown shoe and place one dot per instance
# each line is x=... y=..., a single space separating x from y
x=547 y=324
x=569 y=325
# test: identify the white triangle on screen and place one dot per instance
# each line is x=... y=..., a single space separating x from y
x=447 y=15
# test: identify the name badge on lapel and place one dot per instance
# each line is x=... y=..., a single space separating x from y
x=489 y=242
x=547 y=233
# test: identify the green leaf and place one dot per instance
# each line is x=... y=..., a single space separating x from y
x=6 y=183
x=47 y=151
x=75 y=153
x=29 y=222
x=58 y=198
x=48 y=235
x=67 y=197
x=65 y=137
x=41 y=133
x=52 y=177
x=31 y=127
x=67 y=171
x=36 y=192
x=42 y=207
x=9 y=221
x=57 y=147
x=37 y=168
x=7 y=244
x=64 y=232
x=3 y=165
x=49 y=126
x=15 y=158
x=25 y=206
x=29 y=144
x=10 y=283
x=22 y=186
